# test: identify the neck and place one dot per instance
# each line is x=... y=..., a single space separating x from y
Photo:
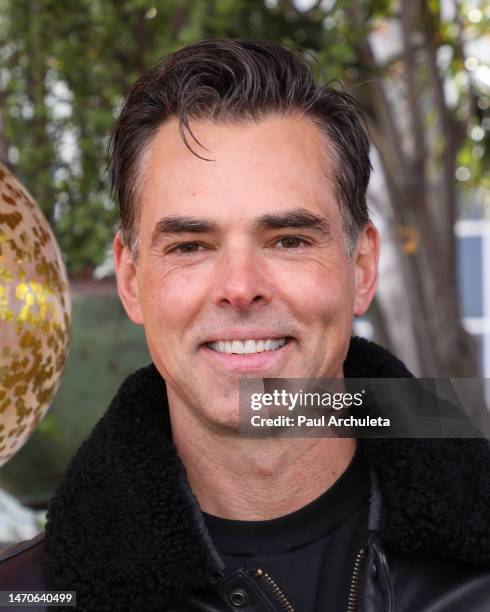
x=256 y=479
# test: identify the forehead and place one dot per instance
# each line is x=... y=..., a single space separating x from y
x=278 y=162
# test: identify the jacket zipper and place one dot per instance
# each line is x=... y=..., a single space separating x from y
x=274 y=589
x=354 y=585
x=353 y=592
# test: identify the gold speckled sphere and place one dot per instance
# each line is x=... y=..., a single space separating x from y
x=35 y=315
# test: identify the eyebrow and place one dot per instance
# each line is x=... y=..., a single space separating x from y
x=174 y=225
x=298 y=218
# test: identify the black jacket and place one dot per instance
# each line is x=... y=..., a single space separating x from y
x=125 y=531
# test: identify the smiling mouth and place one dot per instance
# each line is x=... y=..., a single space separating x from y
x=247 y=347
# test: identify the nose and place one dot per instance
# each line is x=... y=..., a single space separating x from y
x=241 y=282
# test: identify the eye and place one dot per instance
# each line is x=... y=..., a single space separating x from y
x=186 y=248
x=292 y=242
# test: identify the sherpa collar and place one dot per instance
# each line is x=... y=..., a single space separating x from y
x=125 y=531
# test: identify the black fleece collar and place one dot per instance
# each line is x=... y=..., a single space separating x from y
x=125 y=531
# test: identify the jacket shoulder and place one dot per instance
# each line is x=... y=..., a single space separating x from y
x=21 y=565
x=426 y=584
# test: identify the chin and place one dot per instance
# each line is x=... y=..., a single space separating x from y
x=227 y=420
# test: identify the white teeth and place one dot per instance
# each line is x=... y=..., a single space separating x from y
x=250 y=347
x=247 y=346
x=236 y=346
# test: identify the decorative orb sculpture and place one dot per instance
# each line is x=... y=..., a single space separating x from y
x=35 y=315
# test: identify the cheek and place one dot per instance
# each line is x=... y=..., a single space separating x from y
x=320 y=293
x=170 y=303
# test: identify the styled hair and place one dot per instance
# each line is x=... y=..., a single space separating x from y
x=237 y=80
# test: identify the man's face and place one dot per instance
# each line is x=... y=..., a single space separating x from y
x=220 y=259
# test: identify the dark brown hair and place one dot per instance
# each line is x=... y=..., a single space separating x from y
x=238 y=80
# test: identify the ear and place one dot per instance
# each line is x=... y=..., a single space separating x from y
x=127 y=285
x=366 y=256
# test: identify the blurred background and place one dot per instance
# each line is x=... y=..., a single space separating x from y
x=420 y=69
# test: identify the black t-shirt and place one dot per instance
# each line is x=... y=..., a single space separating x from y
x=309 y=553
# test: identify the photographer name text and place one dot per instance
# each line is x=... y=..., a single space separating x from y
x=321 y=421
